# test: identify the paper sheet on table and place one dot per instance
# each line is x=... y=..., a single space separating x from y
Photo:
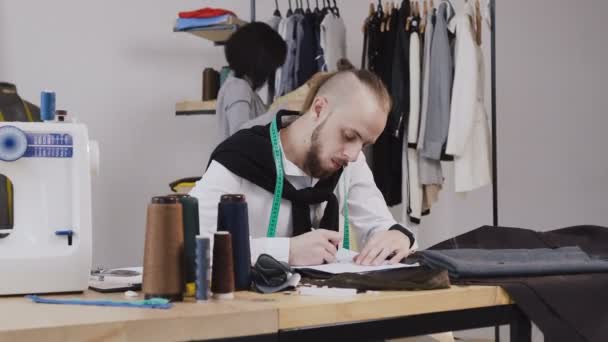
x=345 y=264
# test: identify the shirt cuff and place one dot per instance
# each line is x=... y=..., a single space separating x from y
x=405 y=232
x=278 y=248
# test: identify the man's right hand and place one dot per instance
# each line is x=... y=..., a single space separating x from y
x=314 y=248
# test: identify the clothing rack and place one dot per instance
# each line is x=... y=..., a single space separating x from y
x=494 y=134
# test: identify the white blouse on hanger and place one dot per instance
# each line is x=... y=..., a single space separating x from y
x=468 y=135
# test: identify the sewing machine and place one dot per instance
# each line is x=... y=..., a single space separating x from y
x=49 y=247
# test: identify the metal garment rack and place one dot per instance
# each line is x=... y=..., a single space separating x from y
x=493 y=96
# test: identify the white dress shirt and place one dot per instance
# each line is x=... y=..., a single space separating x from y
x=368 y=212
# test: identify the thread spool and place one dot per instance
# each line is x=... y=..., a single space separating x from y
x=164 y=249
x=47 y=105
x=222 y=278
x=203 y=268
x=211 y=84
x=233 y=217
x=191 y=230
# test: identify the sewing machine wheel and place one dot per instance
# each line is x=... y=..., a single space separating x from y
x=13 y=143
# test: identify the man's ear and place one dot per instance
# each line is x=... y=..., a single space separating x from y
x=319 y=107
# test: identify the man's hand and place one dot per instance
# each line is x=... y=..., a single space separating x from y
x=381 y=245
x=314 y=248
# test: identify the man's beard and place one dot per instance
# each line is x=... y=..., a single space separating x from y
x=313 y=161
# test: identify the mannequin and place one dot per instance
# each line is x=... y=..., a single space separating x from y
x=12 y=108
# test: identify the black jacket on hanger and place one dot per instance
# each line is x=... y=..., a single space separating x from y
x=307 y=64
x=384 y=47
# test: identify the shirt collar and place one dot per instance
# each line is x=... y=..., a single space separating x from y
x=289 y=167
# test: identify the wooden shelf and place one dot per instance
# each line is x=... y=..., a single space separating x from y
x=195 y=107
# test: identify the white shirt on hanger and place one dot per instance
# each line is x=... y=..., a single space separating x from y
x=333 y=40
x=368 y=212
x=468 y=135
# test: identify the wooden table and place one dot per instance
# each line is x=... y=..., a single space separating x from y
x=255 y=317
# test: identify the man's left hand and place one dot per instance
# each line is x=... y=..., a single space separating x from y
x=381 y=245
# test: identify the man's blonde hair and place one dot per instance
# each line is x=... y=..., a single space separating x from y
x=323 y=83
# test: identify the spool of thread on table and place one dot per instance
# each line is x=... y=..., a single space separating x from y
x=203 y=268
x=47 y=105
x=191 y=230
x=222 y=278
x=164 y=247
x=233 y=217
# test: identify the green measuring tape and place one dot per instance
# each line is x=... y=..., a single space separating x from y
x=278 y=189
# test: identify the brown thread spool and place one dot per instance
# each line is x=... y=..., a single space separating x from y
x=222 y=277
x=164 y=249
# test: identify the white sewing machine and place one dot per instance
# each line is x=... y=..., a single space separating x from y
x=49 y=248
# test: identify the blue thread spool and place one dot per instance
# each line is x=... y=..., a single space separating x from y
x=203 y=268
x=47 y=105
x=233 y=217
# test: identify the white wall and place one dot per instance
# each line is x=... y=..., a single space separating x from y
x=118 y=66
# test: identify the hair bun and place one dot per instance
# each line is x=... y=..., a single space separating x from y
x=344 y=64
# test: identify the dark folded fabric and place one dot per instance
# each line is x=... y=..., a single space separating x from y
x=415 y=278
x=471 y=262
x=566 y=308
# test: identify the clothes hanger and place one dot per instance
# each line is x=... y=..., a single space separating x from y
x=370 y=14
x=387 y=16
x=425 y=12
x=289 y=11
x=276 y=13
x=410 y=16
x=317 y=10
x=308 y=11
x=324 y=9
x=336 y=9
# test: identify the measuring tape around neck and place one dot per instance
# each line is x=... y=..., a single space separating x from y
x=278 y=189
